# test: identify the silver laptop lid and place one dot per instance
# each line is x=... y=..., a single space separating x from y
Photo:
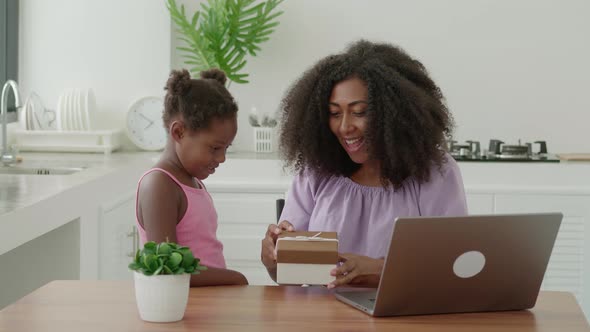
x=465 y=264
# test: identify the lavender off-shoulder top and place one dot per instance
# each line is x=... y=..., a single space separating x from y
x=364 y=216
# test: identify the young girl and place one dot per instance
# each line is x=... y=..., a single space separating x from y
x=172 y=203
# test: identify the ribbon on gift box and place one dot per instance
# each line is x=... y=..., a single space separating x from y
x=315 y=237
x=307 y=247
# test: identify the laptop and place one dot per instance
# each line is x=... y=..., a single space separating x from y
x=438 y=265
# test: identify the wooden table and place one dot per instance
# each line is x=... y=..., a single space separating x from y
x=109 y=306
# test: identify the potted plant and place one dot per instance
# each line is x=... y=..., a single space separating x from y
x=223 y=33
x=162 y=280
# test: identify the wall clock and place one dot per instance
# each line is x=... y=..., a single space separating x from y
x=145 y=127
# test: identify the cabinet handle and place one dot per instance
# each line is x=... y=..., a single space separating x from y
x=134 y=235
x=135 y=240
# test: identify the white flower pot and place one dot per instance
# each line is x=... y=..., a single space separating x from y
x=161 y=298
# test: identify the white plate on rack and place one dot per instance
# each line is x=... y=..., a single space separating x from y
x=22 y=117
x=64 y=111
x=59 y=112
x=89 y=107
x=42 y=118
x=29 y=109
x=70 y=110
x=75 y=109
x=70 y=107
x=80 y=106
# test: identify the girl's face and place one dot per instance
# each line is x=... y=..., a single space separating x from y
x=348 y=117
x=201 y=151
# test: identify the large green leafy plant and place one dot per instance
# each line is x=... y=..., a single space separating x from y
x=223 y=32
x=165 y=258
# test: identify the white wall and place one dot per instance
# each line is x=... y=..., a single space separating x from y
x=120 y=49
x=509 y=69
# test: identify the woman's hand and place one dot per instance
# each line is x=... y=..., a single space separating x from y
x=357 y=270
x=268 y=254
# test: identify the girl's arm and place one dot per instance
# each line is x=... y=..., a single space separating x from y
x=158 y=207
x=217 y=277
x=159 y=211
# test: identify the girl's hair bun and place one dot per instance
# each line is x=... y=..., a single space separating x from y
x=179 y=82
x=214 y=74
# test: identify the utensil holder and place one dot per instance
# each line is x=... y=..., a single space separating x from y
x=264 y=139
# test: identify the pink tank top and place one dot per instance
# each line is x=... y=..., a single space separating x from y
x=197 y=228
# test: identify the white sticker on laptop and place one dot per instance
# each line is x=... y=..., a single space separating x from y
x=469 y=264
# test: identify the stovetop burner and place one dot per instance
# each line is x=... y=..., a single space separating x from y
x=499 y=151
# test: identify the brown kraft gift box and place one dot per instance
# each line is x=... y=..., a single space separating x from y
x=306 y=257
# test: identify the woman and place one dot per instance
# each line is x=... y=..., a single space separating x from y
x=365 y=131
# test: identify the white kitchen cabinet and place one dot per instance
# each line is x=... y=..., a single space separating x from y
x=118 y=238
x=243 y=219
x=569 y=266
x=480 y=203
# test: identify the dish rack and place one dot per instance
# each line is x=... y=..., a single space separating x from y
x=97 y=141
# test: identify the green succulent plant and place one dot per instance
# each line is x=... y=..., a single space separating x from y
x=223 y=32
x=165 y=258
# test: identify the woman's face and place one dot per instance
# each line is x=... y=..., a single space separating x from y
x=348 y=117
x=201 y=151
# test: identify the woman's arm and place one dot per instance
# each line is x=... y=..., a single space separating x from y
x=298 y=208
x=217 y=277
x=357 y=271
x=268 y=254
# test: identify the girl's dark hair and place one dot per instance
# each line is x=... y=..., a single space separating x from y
x=408 y=121
x=197 y=101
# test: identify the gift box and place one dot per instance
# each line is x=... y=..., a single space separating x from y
x=306 y=257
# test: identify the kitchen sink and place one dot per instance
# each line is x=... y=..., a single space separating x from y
x=16 y=170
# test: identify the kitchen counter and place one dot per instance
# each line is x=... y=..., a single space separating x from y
x=566 y=176
x=570 y=177
x=23 y=190
x=31 y=205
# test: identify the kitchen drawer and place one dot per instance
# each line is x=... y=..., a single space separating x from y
x=246 y=248
x=480 y=203
x=242 y=222
x=569 y=205
x=569 y=264
x=255 y=272
x=246 y=208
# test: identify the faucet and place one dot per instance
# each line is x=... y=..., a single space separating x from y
x=7 y=157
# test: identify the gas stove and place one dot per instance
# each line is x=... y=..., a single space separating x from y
x=500 y=151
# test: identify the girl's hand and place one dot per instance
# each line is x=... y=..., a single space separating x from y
x=357 y=270
x=268 y=254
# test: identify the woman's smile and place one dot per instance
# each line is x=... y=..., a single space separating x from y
x=353 y=144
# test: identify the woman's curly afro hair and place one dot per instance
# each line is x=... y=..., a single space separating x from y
x=408 y=121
